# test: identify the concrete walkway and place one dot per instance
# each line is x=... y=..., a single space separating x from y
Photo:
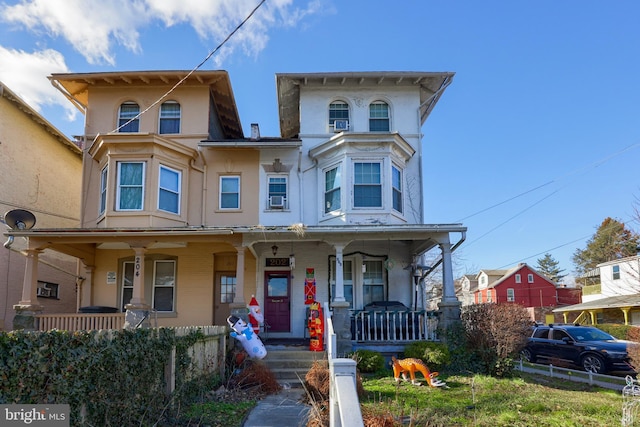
x=283 y=409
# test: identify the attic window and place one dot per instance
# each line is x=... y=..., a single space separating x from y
x=128 y=120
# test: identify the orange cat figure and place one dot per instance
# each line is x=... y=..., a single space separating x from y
x=411 y=365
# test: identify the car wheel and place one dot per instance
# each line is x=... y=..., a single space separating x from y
x=528 y=355
x=593 y=363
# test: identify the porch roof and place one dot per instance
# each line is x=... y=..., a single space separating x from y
x=82 y=242
x=619 y=301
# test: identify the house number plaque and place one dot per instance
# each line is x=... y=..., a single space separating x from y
x=277 y=262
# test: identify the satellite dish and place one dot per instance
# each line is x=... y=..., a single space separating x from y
x=19 y=219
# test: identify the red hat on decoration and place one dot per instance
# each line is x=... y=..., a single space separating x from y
x=253 y=301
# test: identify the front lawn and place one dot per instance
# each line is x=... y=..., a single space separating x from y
x=481 y=400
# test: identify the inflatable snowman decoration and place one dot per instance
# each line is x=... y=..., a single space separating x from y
x=249 y=339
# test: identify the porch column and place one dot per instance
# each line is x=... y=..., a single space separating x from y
x=625 y=312
x=28 y=306
x=85 y=291
x=239 y=307
x=137 y=314
x=449 y=306
x=341 y=317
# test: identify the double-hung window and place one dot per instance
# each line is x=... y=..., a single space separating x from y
x=130 y=193
x=518 y=278
x=332 y=178
x=169 y=190
x=103 y=189
x=615 y=272
x=396 y=186
x=367 y=185
x=530 y=278
x=229 y=192
x=277 y=192
x=170 y=117
x=164 y=283
x=511 y=295
x=128 y=120
x=338 y=111
x=127 y=283
x=379 y=117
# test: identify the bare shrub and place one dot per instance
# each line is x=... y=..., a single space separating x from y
x=496 y=333
x=257 y=377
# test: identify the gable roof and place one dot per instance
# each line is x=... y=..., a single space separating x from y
x=513 y=270
x=430 y=84
x=21 y=105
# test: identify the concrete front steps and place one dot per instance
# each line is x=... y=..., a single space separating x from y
x=290 y=364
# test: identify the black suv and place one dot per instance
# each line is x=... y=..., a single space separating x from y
x=586 y=347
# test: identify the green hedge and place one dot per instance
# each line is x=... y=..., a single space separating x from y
x=619 y=331
x=108 y=378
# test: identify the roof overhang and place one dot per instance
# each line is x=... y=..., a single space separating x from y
x=620 y=301
x=83 y=243
x=75 y=87
x=288 y=85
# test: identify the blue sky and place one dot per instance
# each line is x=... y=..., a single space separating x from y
x=533 y=145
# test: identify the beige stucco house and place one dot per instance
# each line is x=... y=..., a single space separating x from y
x=41 y=172
x=184 y=218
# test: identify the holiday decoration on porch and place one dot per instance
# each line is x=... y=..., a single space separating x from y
x=256 y=318
x=250 y=341
x=316 y=327
x=310 y=287
x=412 y=365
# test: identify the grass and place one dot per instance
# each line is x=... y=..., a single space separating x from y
x=524 y=400
x=222 y=414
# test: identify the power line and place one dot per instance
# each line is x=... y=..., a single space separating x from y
x=194 y=69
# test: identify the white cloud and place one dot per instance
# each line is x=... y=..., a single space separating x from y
x=95 y=27
x=25 y=74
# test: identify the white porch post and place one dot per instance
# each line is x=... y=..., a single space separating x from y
x=137 y=314
x=339 y=295
x=449 y=306
x=28 y=306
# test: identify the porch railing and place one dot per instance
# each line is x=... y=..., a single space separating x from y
x=79 y=321
x=393 y=326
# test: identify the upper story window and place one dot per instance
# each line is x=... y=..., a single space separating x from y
x=530 y=278
x=128 y=120
x=518 y=278
x=103 y=190
x=229 y=192
x=130 y=193
x=277 y=192
x=169 y=117
x=169 y=190
x=367 y=185
x=396 y=185
x=615 y=271
x=339 y=111
x=332 y=195
x=379 y=117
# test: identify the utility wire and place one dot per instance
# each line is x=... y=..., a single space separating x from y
x=193 y=70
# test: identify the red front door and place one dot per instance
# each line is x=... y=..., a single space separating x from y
x=277 y=308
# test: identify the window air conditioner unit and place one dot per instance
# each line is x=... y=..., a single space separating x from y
x=276 y=202
x=43 y=292
x=340 y=125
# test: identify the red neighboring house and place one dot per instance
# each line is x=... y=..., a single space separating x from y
x=522 y=285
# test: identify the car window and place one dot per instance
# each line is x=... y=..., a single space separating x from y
x=541 y=333
x=559 y=335
x=590 y=334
